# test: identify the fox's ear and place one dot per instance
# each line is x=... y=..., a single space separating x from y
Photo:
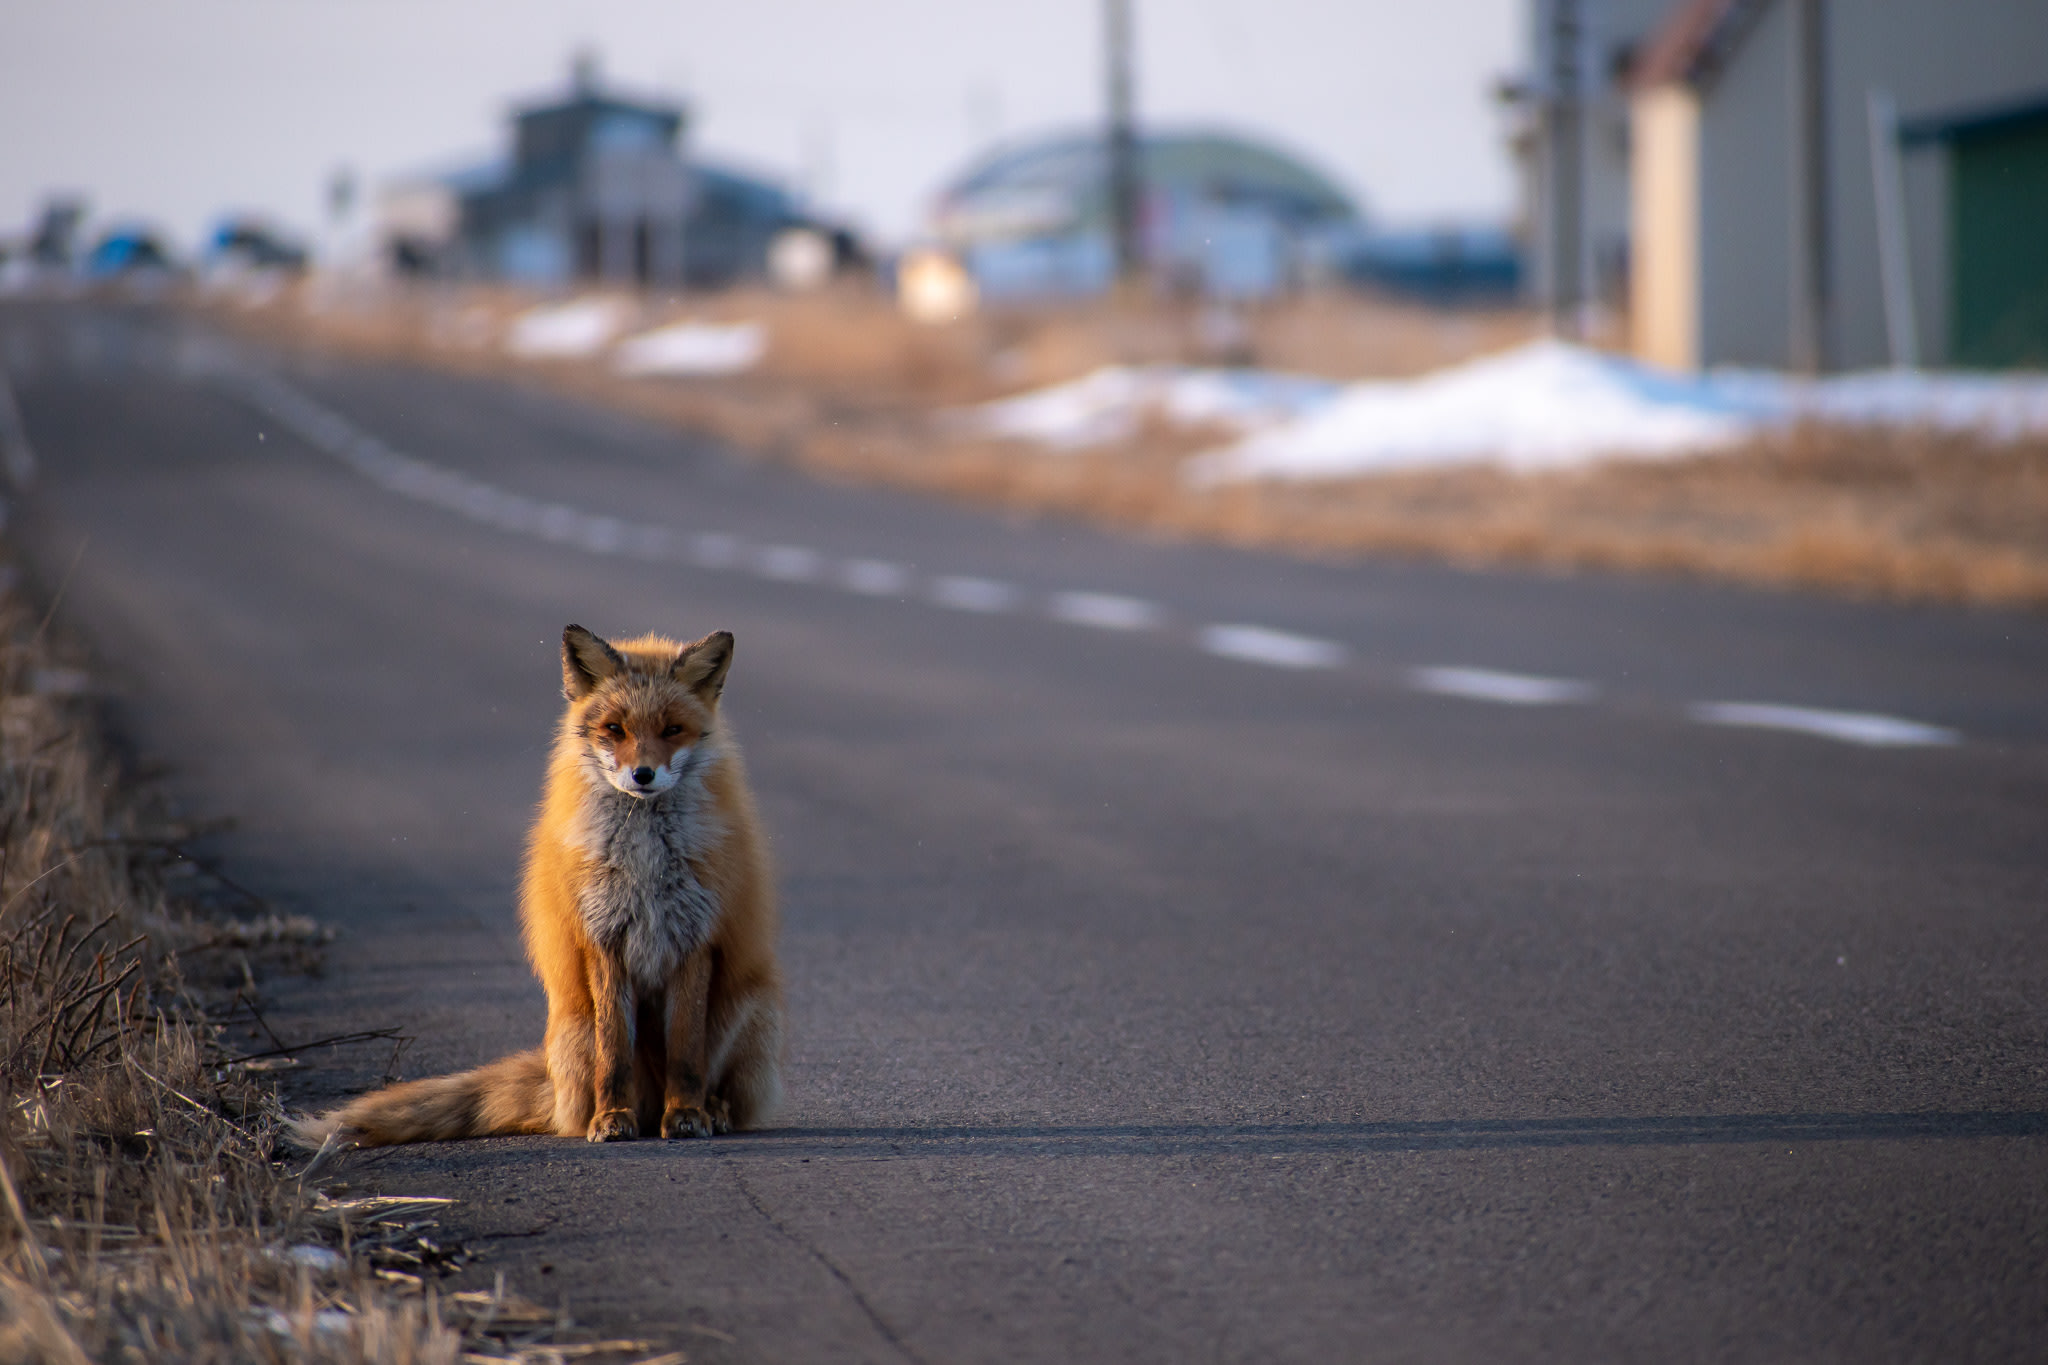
x=701 y=666
x=586 y=662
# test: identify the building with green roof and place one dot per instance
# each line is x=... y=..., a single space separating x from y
x=1221 y=214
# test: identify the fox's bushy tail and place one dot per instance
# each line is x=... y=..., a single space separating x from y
x=511 y=1095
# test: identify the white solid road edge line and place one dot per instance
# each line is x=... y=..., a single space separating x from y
x=1850 y=727
x=1277 y=648
x=1509 y=689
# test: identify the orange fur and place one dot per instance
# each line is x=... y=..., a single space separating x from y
x=649 y=915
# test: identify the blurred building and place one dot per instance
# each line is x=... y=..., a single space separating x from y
x=1780 y=217
x=1570 y=140
x=1811 y=184
x=597 y=187
x=129 y=249
x=419 y=219
x=1220 y=215
x=53 y=243
x=1446 y=266
x=1986 y=271
x=250 y=242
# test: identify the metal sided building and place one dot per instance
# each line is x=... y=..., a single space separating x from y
x=1840 y=184
x=1989 y=167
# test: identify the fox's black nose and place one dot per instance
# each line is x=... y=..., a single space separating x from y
x=643 y=775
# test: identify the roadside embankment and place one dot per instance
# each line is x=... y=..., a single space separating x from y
x=1904 y=504
x=147 y=1210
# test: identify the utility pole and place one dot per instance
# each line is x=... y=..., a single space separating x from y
x=1564 y=117
x=1894 y=258
x=1807 y=344
x=1124 y=172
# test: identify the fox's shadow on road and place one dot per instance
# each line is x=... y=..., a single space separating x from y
x=1339 y=1139
x=1411 y=1136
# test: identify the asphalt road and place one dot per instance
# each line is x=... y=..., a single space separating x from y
x=1159 y=991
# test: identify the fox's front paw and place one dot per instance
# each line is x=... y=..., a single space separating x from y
x=721 y=1114
x=613 y=1125
x=688 y=1121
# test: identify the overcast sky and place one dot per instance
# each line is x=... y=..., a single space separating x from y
x=175 y=110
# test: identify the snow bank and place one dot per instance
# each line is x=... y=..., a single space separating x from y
x=1548 y=405
x=1111 y=404
x=564 y=331
x=693 y=348
x=1544 y=405
x=2004 y=407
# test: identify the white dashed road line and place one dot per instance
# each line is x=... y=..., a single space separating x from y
x=973 y=594
x=874 y=577
x=715 y=550
x=789 y=563
x=1850 y=727
x=1258 y=645
x=1105 y=611
x=1511 y=689
x=451 y=490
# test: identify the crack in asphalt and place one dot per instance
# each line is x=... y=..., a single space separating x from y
x=818 y=1254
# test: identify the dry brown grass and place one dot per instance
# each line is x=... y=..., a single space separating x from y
x=1905 y=515
x=144 y=1213
x=850 y=343
x=849 y=389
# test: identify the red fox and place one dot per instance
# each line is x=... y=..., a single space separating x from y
x=649 y=916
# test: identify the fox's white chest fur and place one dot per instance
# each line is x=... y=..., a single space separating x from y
x=643 y=898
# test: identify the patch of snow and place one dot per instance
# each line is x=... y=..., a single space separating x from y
x=1548 y=405
x=325 y=1260
x=1112 y=403
x=326 y=1323
x=567 y=331
x=2004 y=407
x=693 y=348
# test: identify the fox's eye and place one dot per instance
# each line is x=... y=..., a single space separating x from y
x=672 y=732
x=614 y=729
